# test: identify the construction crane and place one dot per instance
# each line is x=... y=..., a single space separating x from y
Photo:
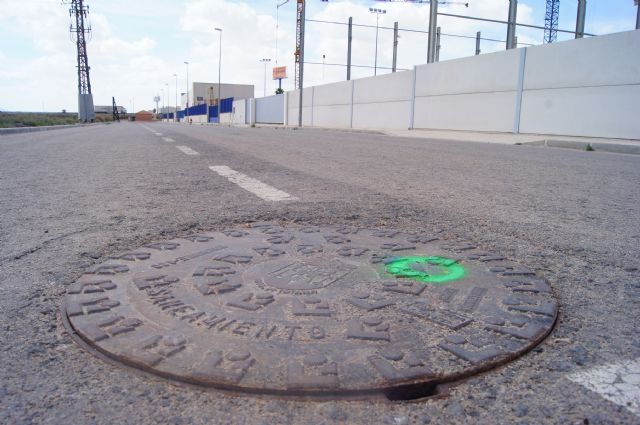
x=551 y=21
x=299 y=42
x=115 y=112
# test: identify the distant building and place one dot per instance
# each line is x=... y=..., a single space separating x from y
x=108 y=109
x=207 y=93
x=144 y=116
x=166 y=109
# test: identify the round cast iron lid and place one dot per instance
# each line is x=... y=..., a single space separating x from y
x=311 y=311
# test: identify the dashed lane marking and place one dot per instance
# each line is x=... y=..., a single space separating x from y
x=187 y=150
x=168 y=139
x=616 y=382
x=261 y=190
x=157 y=134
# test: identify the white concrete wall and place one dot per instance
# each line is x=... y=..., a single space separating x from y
x=293 y=103
x=585 y=87
x=240 y=112
x=383 y=101
x=197 y=119
x=270 y=109
x=332 y=105
x=226 y=118
x=475 y=93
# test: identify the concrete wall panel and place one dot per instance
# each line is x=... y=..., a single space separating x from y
x=337 y=116
x=383 y=88
x=382 y=115
x=240 y=115
x=592 y=111
x=608 y=60
x=332 y=94
x=493 y=72
x=473 y=112
x=270 y=109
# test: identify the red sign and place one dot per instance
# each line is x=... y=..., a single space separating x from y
x=279 y=72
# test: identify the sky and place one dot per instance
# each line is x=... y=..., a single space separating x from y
x=136 y=47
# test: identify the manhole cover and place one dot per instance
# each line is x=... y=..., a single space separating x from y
x=308 y=311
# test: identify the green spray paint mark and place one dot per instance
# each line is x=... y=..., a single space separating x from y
x=425 y=269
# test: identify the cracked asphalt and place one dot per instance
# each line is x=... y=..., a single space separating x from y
x=71 y=198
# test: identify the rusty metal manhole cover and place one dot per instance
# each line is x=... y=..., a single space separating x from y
x=308 y=311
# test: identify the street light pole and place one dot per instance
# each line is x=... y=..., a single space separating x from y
x=187 y=103
x=219 y=70
x=278 y=6
x=377 y=12
x=167 y=102
x=175 y=114
x=265 y=61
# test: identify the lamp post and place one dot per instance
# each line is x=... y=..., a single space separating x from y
x=265 y=61
x=377 y=12
x=278 y=6
x=187 y=103
x=168 y=97
x=175 y=113
x=219 y=70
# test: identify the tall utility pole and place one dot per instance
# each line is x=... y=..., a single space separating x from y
x=175 y=114
x=582 y=11
x=511 y=26
x=299 y=53
x=377 y=12
x=278 y=6
x=300 y=17
x=187 y=107
x=433 y=23
x=349 y=39
x=167 y=103
x=78 y=12
x=395 y=47
x=438 y=32
x=219 y=70
x=265 y=61
x=551 y=21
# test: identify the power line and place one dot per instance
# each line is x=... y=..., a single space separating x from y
x=411 y=30
x=355 y=66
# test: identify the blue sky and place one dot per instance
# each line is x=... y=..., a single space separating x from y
x=136 y=47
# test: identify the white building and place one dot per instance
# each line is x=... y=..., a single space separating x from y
x=207 y=93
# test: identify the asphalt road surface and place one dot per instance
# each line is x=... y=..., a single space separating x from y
x=71 y=198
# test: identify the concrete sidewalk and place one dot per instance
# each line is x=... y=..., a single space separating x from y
x=567 y=142
x=17 y=130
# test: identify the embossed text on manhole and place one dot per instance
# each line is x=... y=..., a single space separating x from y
x=311 y=311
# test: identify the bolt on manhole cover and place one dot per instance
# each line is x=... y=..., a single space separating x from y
x=311 y=311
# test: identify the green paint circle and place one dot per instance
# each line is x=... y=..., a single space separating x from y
x=448 y=270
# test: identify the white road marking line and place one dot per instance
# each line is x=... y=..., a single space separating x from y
x=616 y=382
x=168 y=139
x=157 y=134
x=187 y=150
x=261 y=190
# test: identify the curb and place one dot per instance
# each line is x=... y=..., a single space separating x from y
x=18 y=130
x=624 y=148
